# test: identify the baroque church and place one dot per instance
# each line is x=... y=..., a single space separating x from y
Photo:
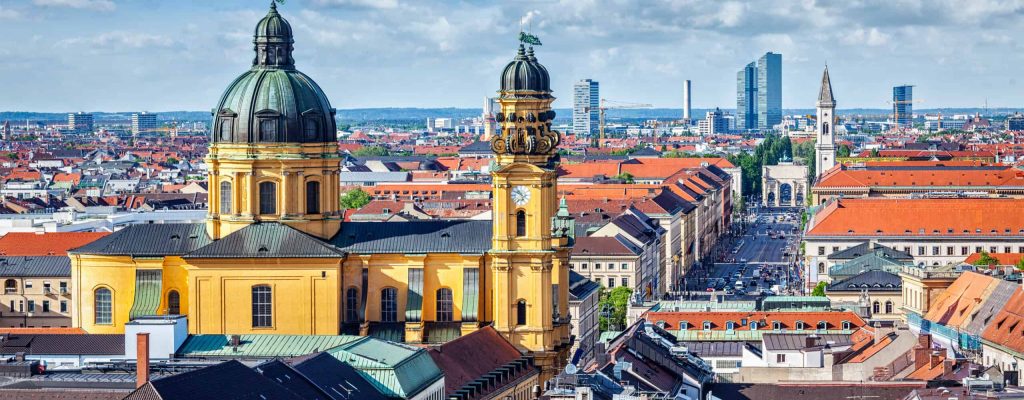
x=274 y=256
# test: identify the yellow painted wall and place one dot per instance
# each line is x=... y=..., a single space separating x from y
x=89 y=273
x=305 y=294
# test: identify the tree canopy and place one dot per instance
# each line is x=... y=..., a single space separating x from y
x=819 y=290
x=615 y=301
x=355 y=199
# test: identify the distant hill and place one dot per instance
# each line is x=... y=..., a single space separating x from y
x=421 y=114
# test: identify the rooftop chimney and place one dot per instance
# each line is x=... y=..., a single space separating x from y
x=142 y=363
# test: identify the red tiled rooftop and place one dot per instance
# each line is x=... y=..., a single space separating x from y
x=920 y=217
x=45 y=244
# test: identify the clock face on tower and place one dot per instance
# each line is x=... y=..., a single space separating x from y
x=520 y=195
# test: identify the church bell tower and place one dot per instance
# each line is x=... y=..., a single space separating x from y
x=530 y=249
x=825 y=146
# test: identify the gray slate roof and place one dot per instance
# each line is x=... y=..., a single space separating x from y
x=64 y=344
x=267 y=240
x=35 y=266
x=150 y=240
x=872 y=281
x=789 y=341
x=866 y=248
x=415 y=237
x=717 y=349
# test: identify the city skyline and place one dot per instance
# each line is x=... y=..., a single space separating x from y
x=173 y=59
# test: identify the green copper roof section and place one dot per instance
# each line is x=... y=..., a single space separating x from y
x=395 y=369
x=607 y=336
x=470 y=293
x=414 y=299
x=147 y=293
x=734 y=305
x=260 y=346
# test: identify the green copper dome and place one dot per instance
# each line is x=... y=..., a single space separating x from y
x=273 y=102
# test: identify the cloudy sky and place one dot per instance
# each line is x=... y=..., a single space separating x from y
x=122 y=55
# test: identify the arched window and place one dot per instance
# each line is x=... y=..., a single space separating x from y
x=351 y=304
x=173 y=303
x=445 y=313
x=520 y=223
x=876 y=307
x=10 y=286
x=103 y=306
x=262 y=307
x=824 y=128
x=822 y=325
x=268 y=198
x=312 y=197
x=389 y=305
x=521 y=312
x=888 y=307
x=225 y=197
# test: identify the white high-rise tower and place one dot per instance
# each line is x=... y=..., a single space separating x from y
x=686 y=101
x=825 y=147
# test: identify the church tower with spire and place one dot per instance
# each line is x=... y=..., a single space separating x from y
x=530 y=243
x=825 y=146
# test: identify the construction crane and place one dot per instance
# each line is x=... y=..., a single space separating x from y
x=614 y=105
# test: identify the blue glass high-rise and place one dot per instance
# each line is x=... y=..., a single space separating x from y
x=769 y=91
x=903 y=105
x=746 y=97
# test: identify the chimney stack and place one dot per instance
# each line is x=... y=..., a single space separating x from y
x=935 y=359
x=142 y=356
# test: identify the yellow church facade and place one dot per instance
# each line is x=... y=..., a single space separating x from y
x=274 y=256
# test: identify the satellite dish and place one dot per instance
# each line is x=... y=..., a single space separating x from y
x=570 y=369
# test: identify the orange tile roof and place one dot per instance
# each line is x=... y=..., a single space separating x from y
x=920 y=175
x=954 y=306
x=865 y=349
x=1007 y=328
x=1004 y=258
x=45 y=244
x=919 y=217
x=765 y=320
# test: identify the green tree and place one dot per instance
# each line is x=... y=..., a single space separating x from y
x=355 y=199
x=875 y=153
x=986 y=260
x=819 y=290
x=615 y=301
x=172 y=160
x=625 y=177
x=844 y=151
x=372 y=151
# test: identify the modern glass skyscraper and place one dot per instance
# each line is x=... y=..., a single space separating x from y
x=759 y=93
x=769 y=91
x=585 y=107
x=746 y=97
x=903 y=105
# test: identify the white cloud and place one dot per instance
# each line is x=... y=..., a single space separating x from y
x=869 y=37
x=380 y=4
x=7 y=13
x=119 y=40
x=97 y=5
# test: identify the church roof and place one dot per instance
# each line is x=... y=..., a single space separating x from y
x=150 y=240
x=433 y=236
x=825 y=94
x=267 y=240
